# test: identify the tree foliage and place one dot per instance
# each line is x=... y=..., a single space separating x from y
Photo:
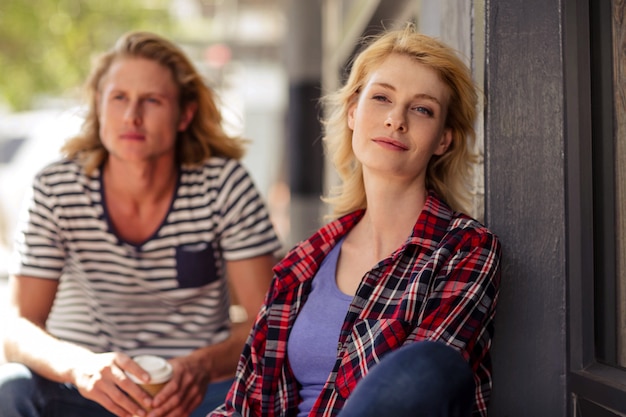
x=46 y=46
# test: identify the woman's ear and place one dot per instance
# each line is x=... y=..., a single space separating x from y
x=351 y=108
x=444 y=142
x=187 y=115
x=351 y=116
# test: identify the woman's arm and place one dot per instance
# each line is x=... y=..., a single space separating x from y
x=461 y=306
x=461 y=301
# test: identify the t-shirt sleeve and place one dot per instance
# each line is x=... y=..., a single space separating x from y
x=245 y=226
x=38 y=250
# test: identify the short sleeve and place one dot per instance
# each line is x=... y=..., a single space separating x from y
x=38 y=248
x=245 y=226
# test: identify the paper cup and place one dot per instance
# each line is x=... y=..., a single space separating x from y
x=160 y=372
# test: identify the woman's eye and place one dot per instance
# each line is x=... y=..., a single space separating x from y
x=424 y=110
x=379 y=98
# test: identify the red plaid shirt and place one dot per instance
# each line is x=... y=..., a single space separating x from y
x=442 y=285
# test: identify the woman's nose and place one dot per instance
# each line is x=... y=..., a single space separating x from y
x=396 y=121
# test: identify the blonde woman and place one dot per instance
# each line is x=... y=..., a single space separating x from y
x=401 y=285
x=130 y=245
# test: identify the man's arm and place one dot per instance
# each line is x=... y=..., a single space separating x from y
x=26 y=341
x=99 y=377
x=249 y=280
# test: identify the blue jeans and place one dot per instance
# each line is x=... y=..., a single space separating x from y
x=426 y=379
x=25 y=394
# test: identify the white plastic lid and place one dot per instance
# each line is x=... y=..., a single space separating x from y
x=159 y=369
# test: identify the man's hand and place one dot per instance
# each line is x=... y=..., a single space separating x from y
x=102 y=378
x=184 y=392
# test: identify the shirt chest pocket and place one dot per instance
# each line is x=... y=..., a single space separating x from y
x=195 y=265
x=369 y=342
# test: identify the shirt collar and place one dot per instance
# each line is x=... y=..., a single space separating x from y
x=301 y=263
x=432 y=223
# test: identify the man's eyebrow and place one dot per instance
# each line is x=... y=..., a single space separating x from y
x=159 y=93
x=419 y=95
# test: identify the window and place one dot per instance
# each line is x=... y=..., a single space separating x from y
x=608 y=115
x=619 y=139
x=596 y=123
x=605 y=160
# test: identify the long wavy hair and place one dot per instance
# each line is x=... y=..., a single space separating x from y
x=448 y=174
x=203 y=138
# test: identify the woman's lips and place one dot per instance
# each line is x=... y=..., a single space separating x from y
x=390 y=143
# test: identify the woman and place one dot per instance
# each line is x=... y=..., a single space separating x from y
x=130 y=245
x=401 y=277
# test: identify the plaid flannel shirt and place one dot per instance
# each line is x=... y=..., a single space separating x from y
x=441 y=285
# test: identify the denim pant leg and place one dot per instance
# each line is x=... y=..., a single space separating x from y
x=26 y=394
x=214 y=397
x=426 y=379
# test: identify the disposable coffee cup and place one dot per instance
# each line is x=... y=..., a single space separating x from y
x=160 y=372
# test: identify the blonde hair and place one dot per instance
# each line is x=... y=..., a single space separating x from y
x=448 y=175
x=203 y=138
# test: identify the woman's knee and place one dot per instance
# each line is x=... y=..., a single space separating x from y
x=434 y=368
x=436 y=362
x=429 y=377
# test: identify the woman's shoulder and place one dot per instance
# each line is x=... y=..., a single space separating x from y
x=471 y=233
x=457 y=223
x=460 y=220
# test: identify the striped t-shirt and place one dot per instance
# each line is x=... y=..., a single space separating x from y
x=166 y=296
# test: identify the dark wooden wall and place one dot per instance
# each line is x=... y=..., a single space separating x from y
x=525 y=204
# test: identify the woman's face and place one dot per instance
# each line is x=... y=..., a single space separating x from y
x=398 y=119
x=138 y=110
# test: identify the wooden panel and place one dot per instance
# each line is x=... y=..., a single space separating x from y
x=619 y=80
x=525 y=204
